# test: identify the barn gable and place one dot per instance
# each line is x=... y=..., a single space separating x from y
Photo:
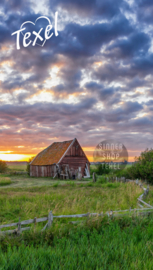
x=75 y=157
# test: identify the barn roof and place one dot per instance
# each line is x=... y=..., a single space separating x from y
x=52 y=154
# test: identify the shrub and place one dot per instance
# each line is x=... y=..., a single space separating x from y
x=143 y=167
x=3 y=166
x=103 y=169
x=123 y=173
x=101 y=180
x=93 y=168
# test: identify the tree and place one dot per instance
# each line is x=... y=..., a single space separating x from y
x=28 y=165
x=143 y=166
x=3 y=166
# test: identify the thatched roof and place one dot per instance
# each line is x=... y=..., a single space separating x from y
x=52 y=154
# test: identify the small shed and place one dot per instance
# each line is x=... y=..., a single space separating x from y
x=61 y=159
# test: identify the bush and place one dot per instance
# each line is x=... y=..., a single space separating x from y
x=143 y=167
x=123 y=173
x=3 y=166
x=101 y=180
x=103 y=169
x=93 y=168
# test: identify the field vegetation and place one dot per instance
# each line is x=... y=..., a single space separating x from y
x=141 y=169
x=3 y=166
x=93 y=243
x=98 y=244
x=70 y=198
x=18 y=168
x=5 y=181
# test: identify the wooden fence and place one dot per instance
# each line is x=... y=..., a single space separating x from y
x=140 y=211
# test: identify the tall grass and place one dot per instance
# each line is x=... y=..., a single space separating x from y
x=5 y=181
x=97 y=243
x=28 y=203
x=149 y=197
x=118 y=244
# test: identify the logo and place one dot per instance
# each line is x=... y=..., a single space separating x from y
x=36 y=37
x=112 y=154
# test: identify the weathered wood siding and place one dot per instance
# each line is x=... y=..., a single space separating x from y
x=42 y=171
x=75 y=158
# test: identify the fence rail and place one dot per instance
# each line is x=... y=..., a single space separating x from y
x=140 y=211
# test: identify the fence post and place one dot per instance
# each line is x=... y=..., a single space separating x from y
x=111 y=214
x=88 y=216
x=35 y=221
x=50 y=219
x=94 y=177
x=19 y=227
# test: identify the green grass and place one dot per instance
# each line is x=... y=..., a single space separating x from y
x=71 y=198
x=97 y=243
x=117 y=244
x=4 y=181
x=149 y=198
x=17 y=167
x=25 y=181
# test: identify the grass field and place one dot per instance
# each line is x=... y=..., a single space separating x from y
x=114 y=244
x=4 y=181
x=71 y=198
x=97 y=243
x=19 y=168
x=24 y=181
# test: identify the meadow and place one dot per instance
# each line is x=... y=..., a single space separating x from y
x=17 y=167
x=104 y=244
x=4 y=181
x=92 y=243
x=71 y=198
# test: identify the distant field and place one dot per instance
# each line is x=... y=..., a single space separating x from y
x=17 y=167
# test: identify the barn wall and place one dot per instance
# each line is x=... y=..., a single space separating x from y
x=75 y=162
x=42 y=171
x=75 y=158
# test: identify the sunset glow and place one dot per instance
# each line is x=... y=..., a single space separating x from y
x=22 y=156
x=14 y=157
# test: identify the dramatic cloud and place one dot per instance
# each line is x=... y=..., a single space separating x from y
x=93 y=81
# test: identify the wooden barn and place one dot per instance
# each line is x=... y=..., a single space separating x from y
x=65 y=160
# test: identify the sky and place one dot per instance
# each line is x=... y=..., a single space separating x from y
x=92 y=81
